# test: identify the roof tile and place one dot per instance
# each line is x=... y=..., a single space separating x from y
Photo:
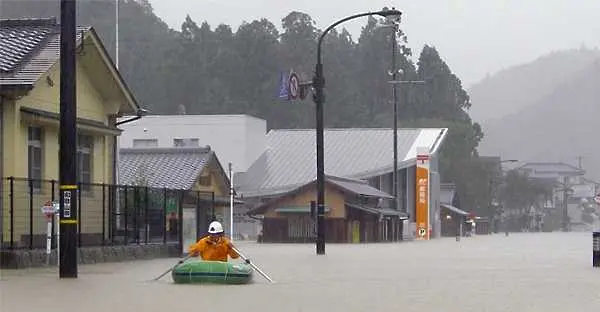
x=28 y=48
x=173 y=168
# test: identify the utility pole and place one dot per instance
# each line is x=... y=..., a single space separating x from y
x=394 y=83
x=565 y=205
x=68 y=139
x=395 y=99
x=231 y=191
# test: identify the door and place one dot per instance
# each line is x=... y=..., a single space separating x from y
x=355 y=232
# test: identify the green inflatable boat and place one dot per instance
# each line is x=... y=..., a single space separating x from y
x=200 y=272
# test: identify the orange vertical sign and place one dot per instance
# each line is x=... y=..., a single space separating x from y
x=422 y=197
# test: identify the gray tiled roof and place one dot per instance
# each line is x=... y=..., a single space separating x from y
x=174 y=168
x=289 y=160
x=28 y=49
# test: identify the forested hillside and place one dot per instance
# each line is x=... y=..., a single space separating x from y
x=214 y=69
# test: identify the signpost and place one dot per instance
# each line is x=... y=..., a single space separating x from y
x=50 y=210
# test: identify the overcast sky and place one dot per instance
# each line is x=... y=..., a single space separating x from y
x=475 y=37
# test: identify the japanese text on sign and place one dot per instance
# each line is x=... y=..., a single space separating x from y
x=422 y=191
x=67 y=203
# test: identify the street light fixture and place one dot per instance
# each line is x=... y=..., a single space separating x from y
x=319 y=98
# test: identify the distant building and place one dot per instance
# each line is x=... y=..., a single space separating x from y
x=453 y=218
x=562 y=176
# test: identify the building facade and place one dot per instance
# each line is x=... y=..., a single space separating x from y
x=29 y=101
x=359 y=154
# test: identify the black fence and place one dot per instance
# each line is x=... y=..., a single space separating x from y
x=107 y=214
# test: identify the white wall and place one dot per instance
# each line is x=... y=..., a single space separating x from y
x=238 y=139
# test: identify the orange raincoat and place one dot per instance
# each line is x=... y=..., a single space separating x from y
x=207 y=250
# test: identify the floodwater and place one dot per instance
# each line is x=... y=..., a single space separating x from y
x=522 y=272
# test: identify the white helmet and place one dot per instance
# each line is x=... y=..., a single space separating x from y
x=215 y=227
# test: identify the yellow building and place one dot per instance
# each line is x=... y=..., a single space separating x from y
x=29 y=125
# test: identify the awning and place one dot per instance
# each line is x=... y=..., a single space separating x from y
x=396 y=213
x=455 y=210
x=297 y=209
x=377 y=211
x=42 y=116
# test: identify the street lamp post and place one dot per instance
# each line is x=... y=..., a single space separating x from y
x=319 y=98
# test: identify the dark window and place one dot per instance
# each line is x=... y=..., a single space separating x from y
x=204 y=180
x=34 y=156
x=145 y=142
x=85 y=147
x=186 y=142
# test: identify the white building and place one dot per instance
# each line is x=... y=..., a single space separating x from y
x=239 y=139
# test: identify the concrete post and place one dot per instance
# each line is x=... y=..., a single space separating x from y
x=596 y=249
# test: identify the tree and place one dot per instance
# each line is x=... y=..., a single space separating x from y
x=520 y=192
x=222 y=71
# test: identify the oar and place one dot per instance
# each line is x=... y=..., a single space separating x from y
x=252 y=264
x=173 y=268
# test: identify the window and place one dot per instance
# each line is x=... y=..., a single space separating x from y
x=186 y=142
x=205 y=180
x=34 y=156
x=301 y=227
x=145 y=142
x=85 y=146
x=402 y=189
x=375 y=182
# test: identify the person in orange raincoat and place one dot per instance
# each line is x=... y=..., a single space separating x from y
x=215 y=246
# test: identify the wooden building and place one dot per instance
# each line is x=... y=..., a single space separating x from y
x=353 y=214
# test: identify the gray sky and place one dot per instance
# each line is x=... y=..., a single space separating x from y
x=475 y=37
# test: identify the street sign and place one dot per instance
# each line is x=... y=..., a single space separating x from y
x=283 y=86
x=422 y=232
x=67 y=204
x=48 y=208
x=293 y=86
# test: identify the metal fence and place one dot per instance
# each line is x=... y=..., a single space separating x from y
x=107 y=214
